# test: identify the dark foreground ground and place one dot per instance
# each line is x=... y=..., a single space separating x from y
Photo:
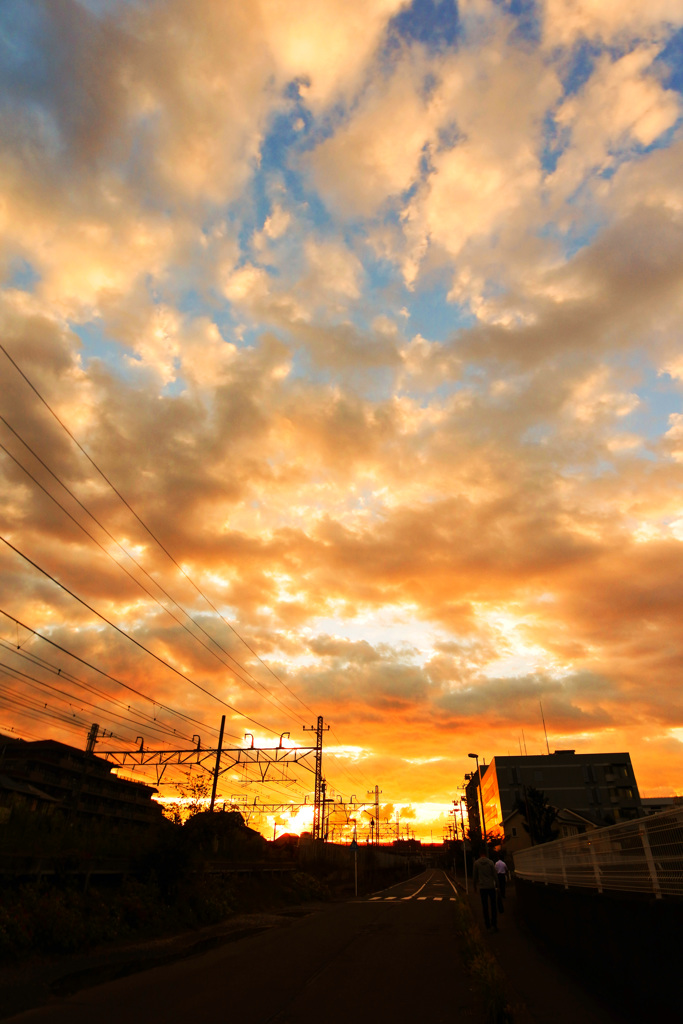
x=406 y=954
x=547 y=990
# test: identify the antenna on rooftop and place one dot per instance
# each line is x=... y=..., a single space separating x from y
x=544 y=728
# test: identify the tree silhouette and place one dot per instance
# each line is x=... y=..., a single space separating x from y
x=539 y=816
x=195 y=797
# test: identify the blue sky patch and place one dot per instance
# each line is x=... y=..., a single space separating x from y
x=22 y=275
x=434 y=23
x=660 y=397
x=579 y=66
x=670 y=62
x=527 y=19
x=433 y=316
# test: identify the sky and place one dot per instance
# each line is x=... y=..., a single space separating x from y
x=341 y=375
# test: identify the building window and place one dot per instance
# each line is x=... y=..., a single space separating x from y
x=538 y=775
x=514 y=833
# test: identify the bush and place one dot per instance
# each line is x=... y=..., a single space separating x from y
x=50 y=918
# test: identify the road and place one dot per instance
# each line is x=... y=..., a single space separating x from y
x=393 y=955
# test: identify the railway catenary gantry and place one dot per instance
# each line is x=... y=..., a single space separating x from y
x=255 y=764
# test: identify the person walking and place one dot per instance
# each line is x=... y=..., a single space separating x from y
x=502 y=873
x=484 y=876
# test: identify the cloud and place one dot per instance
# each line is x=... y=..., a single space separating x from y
x=327 y=45
x=622 y=104
x=375 y=155
x=565 y=21
x=382 y=342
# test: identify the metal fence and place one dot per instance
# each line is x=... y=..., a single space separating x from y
x=645 y=855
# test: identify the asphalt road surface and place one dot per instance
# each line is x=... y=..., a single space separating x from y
x=391 y=956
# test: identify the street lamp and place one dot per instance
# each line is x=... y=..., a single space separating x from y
x=354 y=846
x=481 y=797
x=464 y=847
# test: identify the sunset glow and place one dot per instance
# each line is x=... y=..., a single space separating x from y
x=372 y=313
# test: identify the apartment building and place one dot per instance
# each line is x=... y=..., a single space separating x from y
x=599 y=787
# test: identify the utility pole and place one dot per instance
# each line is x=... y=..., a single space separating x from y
x=318 y=811
x=376 y=815
x=218 y=764
x=354 y=845
x=92 y=738
x=377 y=792
x=323 y=812
x=94 y=734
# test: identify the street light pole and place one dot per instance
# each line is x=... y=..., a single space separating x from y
x=454 y=812
x=464 y=849
x=481 y=797
x=354 y=844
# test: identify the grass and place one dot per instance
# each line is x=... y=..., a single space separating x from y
x=482 y=967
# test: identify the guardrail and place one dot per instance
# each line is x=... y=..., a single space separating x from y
x=645 y=856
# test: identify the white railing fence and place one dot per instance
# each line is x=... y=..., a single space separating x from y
x=645 y=855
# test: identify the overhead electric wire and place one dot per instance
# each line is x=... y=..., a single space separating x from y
x=33 y=659
x=12 y=729
x=89 y=688
x=252 y=782
x=27 y=703
x=132 y=639
x=147 y=528
x=155 y=702
x=24 y=677
x=346 y=771
x=36 y=709
x=157 y=657
x=282 y=787
x=107 y=675
x=268 y=693
x=148 y=720
x=37 y=717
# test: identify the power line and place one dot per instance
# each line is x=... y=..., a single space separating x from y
x=106 y=675
x=24 y=733
x=32 y=709
x=88 y=687
x=31 y=681
x=132 y=639
x=74 y=680
x=268 y=693
x=147 y=528
x=164 y=549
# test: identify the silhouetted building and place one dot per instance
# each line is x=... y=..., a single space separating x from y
x=655 y=804
x=21 y=794
x=48 y=775
x=567 y=823
x=599 y=789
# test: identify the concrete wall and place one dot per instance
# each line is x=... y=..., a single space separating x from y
x=629 y=948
